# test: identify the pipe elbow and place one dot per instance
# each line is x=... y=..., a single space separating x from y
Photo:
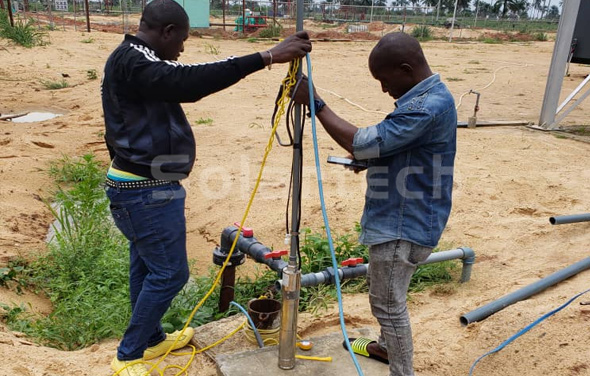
x=468 y=255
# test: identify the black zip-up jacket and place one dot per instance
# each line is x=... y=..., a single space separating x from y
x=147 y=132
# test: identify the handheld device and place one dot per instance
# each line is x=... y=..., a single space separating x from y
x=353 y=163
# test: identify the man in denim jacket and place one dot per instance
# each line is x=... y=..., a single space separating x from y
x=410 y=155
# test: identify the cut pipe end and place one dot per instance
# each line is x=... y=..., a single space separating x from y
x=552 y=220
x=464 y=320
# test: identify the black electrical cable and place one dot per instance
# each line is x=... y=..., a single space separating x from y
x=289 y=117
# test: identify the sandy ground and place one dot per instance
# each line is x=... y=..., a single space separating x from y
x=509 y=181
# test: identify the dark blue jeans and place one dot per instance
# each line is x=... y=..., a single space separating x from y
x=153 y=221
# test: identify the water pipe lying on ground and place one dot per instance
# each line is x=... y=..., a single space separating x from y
x=574 y=218
x=525 y=292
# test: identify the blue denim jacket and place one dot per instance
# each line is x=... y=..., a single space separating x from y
x=411 y=156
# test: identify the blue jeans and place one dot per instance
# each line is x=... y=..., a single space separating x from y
x=390 y=271
x=153 y=221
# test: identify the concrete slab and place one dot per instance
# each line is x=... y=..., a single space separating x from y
x=265 y=361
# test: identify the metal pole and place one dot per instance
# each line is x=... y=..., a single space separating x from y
x=572 y=95
x=476 y=10
x=372 y=5
x=87 y=15
x=292 y=274
x=565 y=33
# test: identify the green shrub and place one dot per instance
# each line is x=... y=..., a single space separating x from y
x=488 y=40
x=422 y=32
x=55 y=85
x=22 y=33
x=272 y=31
x=91 y=74
x=85 y=272
x=541 y=37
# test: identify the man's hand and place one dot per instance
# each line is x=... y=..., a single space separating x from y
x=302 y=94
x=293 y=47
x=355 y=169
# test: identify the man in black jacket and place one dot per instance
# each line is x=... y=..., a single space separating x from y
x=152 y=148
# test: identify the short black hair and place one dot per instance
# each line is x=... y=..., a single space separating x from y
x=160 y=13
x=396 y=48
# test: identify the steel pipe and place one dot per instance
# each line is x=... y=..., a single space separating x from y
x=525 y=292
x=564 y=219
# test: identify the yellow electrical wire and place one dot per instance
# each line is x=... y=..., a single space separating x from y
x=270 y=337
x=287 y=83
x=318 y=358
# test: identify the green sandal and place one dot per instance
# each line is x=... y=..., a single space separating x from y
x=359 y=346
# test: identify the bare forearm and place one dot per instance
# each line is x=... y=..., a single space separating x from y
x=339 y=129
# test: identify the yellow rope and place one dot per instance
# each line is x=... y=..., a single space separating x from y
x=287 y=83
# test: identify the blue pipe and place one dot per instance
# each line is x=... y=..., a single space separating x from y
x=325 y=215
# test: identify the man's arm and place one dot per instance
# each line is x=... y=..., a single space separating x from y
x=172 y=81
x=339 y=129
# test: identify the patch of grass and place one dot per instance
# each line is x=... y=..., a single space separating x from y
x=202 y=121
x=422 y=33
x=252 y=40
x=473 y=62
x=272 y=31
x=329 y=26
x=23 y=33
x=91 y=74
x=579 y=130
x=68 y=170
x=85 y=271
x=488 y=40
x=55 y=85
x=431 y=275
x=211 y=49
x=88 y=40
x=541 y=37
x=453 y=79
x=14 y=275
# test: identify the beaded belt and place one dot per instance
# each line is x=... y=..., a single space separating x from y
x=150 y=183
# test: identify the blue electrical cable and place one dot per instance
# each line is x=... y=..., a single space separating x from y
x=525 y=329
x=325 y=215
x=258 y=338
